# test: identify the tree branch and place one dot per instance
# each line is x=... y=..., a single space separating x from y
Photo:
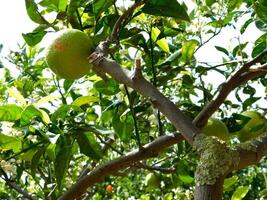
x=241 y=76
x=136 y=81
x=119 y=23
x=111 y=167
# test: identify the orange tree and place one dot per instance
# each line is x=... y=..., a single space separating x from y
x=131 y=127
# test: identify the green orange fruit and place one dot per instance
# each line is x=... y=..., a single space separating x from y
x=67 y=54
x=216 y=127
x=253 y=128
x=152 y=181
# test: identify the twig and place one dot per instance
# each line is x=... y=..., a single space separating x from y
x=169 y=170
x=137 y=135
x=14 y=186
x=119 y=23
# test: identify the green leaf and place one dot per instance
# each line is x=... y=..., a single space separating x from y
x=28 y=114
x=88 y=145
x=210 y=2
x=10 y=143
x=51 y=151
x=62 y=4
x=261 y=25
x=246 y=24
x=240 y=193
x=163 y=44
x=249 y=101
x=34 y=37
x=123 y=126
x=62 y=112
x=51 y=5
x=109 y=87
x=223 y=22
x=154 y=33
x=261 y=10
x=188 y=49
x=63 y=156
x=173 y=56
x=186 y=178
x=167 y=8
x=258 y=49
x=45 y=99
x=168 y=196
x=13 y=92
x=228 y=182
x=67 y=84
x=10 y=112
x=33 y=13
x=232 y=4
x=221 y=49
x=101 y=5
x=85 y=100
x=35 y=161
x=28 y=155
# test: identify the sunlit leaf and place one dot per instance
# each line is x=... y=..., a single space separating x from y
x=10 y=112
x=13 y=92
x=228 y=182
x=45 y=99
x=10 y=143
x=188 y=49
x=163 y=44
x=85 y=100
x=155 y=33
x=28 y=114
x=33 y=13
x=240 y=193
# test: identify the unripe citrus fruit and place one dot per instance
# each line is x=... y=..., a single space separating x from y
x=253 y=128
x=216 y=127
x=109 y=188
x=152 y=181
x=67 y=55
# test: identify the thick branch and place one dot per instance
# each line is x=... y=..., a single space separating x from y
x=100 y=172
x=210 y=192
x=136 y=81
x=251 y=154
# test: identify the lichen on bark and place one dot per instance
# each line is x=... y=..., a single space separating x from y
x=215 y=159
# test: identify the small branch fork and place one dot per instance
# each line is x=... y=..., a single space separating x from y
x=244 y=74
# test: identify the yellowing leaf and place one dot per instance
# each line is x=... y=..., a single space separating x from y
x=240 y=193
x=45 y=100
x=163 y=44
x=155 y=33
x=13 y=92
x=84 y=100
x=45 y=117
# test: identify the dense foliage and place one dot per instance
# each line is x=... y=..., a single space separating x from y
x=54 y=131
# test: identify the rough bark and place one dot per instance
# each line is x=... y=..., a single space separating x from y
x=210 y=192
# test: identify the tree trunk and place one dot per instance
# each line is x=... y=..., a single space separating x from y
x=210 y=192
